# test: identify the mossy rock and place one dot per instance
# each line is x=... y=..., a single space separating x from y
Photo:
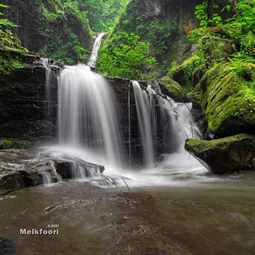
x=172 y=89
x=185 y=72
x=225 y=155
x=209 y=50
x=9 y=143
x=227 y=96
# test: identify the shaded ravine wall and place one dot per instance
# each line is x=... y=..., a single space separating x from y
x=177 y=16
x=55 y=38
x=27 y=113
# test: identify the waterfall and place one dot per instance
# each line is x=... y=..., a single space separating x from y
x=164 y=126
x=48 y=77
x=143 y=108
x=87 y=114
x=96 y=47
x=89 y=125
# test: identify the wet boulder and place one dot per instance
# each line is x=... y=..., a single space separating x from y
x=76 y=168
x=16 y=172
x=226 y=155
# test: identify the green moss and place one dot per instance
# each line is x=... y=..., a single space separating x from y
x=185 y=72
x=225 y=155
x=200 y=146
x=173 y=88
x=9 y=143
x=228 y=98
x=11 y=52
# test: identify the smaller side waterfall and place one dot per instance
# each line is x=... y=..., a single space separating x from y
x=96 y=47
x=144 y=111
x=164 y=125
x=48 y=76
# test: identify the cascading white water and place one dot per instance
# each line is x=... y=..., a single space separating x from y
x=87 y=115
x=181 y=127
x=48 y=74
x=143 y=108
x=89 y=129
x=96 y=47
x=182 y=123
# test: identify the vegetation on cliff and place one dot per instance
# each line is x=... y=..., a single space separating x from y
x=225 y=35
x=11 y=50
x=150 y=26
x=161 y=25
x=173 y=89
x=126 y=55
x=221 y=72
x=103 y=15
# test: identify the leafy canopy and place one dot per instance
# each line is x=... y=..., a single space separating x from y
x=125 y=55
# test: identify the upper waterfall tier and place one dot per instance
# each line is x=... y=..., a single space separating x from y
x=94 y=54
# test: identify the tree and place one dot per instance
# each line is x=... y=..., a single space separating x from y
x=125 y=55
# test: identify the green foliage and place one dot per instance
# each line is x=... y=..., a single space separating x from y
x=187 y=69
x=158 y=32
x=5 y=23
x=220 y=38
x=72 y=43
x=63 y=8
x=201 y=14
x=11 y=50
x=68 y=50
x=125 y=55
x=102 y=14
x=240 y=27
x=9 y=63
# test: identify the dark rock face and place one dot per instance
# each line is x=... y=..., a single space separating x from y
x=226 y=155
x=37 y=32
x=129 y=124
x=23 y=105
x=177 y=17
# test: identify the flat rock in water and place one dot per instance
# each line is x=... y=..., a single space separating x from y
x=21 y=168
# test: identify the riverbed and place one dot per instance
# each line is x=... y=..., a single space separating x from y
x=203 y=218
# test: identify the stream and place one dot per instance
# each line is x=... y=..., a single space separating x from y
x=216 y=218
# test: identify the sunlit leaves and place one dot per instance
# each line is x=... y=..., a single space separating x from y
x=126 y=56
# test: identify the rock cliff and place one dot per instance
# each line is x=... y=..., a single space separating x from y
x=164 y=23
x=44 y=27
